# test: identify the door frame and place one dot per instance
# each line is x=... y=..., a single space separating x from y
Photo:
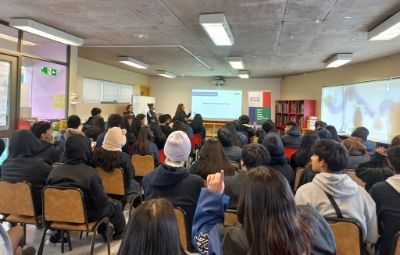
x=12 y=94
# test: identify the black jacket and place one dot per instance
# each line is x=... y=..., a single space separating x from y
x=233 y=186
x=75 y=172
x=151 y=117
x=356 y=158
x=22 y=166
x=181 y=116
x=48 y=153
x=374 y=171
x=387 y=201
x=175 y=184
x=293 y=138
x=233 y=153
x=199 y=129
x=166 y=129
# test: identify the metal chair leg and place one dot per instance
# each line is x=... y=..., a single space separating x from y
x=24 y=238
x=41 y=246
x=108 y=229
x=62 y=241
x=80 y=236
x=93 y=242
x=69 y=241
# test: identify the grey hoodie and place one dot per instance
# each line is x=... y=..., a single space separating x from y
x=353 y=201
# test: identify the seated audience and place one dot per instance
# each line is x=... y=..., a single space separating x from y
x=302 y=157
x=152 y=230
x=22 y=165
x=245 y=127
x=137 y=124
x=73 y=123
x=377 y=169
x=332 y=185
x=270 y=222
x=269 y=126
x=232 y=153
x=362 y=133
x=319 y=124
x=259 y=136
x=238 y=138
x=110 y=156
x=11 y=242
x=293 y=136
x=172 y=180
x=182 y=126
x=76 y=172
x=334 y=133
x=47 y=151
x=279 y=161
x=116 y=120
x=211 y=160
x=253 y=155
x=386 y=195
x=165 y=120
x=324 y=134
x=357 y=152
x=94 y=126
x=198 y=127
x=145 y=146
x=159 y=136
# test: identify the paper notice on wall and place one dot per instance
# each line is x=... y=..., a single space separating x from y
x=59 y=101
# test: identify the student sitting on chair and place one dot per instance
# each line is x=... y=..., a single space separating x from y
x=334 y=194
x=76 y=172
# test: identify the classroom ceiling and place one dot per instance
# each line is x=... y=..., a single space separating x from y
x=275 y=37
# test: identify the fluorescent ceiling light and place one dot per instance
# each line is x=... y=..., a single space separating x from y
x=386 y=30
x=133 y=62
x=236 y=62
x=15 y=40
x=166 y=74
x=244 y=74
x=217 y=29
x=40 y=29
x=339 y=60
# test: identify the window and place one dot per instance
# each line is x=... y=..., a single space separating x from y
x=98 y=91
x=5 y=86
x=44 y=48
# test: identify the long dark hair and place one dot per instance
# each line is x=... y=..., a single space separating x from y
x=334 y=133
x=236 y=141
x=108 y=160
x=152 y=230
x=145 y=136
x=212 y=159
x=137 y=123
x=197 y=123
x=179 y=108
x=308 y=143
x=269 y=215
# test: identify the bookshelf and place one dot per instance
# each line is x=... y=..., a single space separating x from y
x=293 y=110
x=212 y=127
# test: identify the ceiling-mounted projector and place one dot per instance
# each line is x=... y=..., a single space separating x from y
x=219 y=81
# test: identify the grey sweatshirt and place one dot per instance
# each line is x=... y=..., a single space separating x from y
x=353 y=201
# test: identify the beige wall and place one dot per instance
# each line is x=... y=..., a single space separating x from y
x=170 y=92
x=309 y=85
x=81 y=68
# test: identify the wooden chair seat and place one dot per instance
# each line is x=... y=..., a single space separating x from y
x=297 y=177
x=182 y=225
x=73 y=226
x=16 y=218
x=230 y=217
x=113 y=182
x=142 y=164
x=348 y=236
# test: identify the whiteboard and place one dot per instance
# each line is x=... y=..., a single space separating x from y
x=91 y=90
x=139 y=104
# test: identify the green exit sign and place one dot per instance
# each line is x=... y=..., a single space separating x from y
x=48 y=71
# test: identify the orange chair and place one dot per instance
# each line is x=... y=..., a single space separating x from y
x=195 y=140
x=289 y=151
x=162 y=156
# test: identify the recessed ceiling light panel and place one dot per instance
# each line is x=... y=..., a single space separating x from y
x=339 y=60
x=51 y=33
x=386 y=30
x=133 y=62
x=236 y=62
x=166 y=74
x=217 y=28
x=244 y=74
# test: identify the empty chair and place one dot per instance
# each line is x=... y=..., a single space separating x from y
x=64 y=209
x=347 y=233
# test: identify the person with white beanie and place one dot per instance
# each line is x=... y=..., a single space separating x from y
x=172 y=180
x=110 y=156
